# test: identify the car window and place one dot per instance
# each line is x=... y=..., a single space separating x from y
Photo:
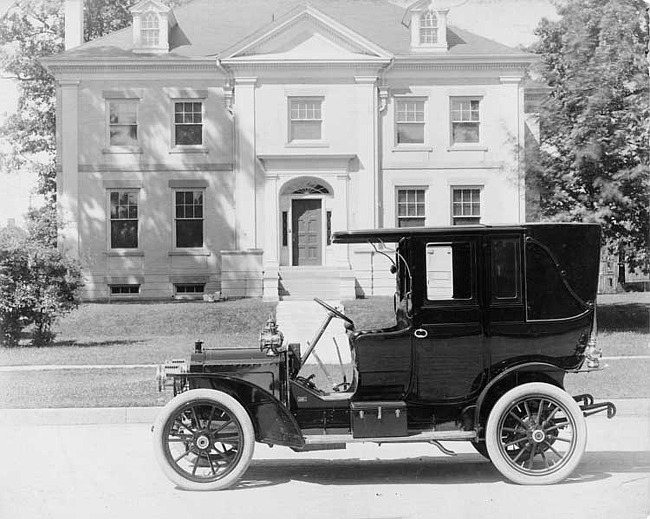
x=546 y=293
x=450 y=271
x=505 y=268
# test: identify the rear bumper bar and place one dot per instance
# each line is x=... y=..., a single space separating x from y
x=590 y=407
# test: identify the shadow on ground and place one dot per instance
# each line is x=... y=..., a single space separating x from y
x=463 y=469
x=620 y=317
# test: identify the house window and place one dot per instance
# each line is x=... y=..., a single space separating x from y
x=188 y=123
x=124 y=289
x=329 y=227
x=466 y=206
x=285 y=228
x=465 y=120
x=190 y=288
x=410 y=121
x=410 y=208
x=305 y=119
x=124 y=219
x=150 y=30
x=428 y=28
x=123 y=123
x=189 y=218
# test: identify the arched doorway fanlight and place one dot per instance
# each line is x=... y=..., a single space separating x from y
x=311 y=188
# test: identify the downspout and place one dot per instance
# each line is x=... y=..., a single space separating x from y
x=379 y=148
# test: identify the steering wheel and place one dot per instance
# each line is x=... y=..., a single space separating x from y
x=334 y=311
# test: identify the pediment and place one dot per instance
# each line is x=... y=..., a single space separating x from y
x=306 y=34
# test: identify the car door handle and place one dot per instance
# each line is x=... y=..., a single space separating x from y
x=420 y=333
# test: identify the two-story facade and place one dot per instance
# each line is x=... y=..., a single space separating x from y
x=215 y=148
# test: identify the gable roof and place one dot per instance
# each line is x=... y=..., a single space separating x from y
x=208 y=28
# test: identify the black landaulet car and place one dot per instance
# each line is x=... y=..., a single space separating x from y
x=488 y=321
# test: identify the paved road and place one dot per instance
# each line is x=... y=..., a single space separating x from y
x=108 y=471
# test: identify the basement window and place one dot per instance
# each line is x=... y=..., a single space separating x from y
x=189 y=288
x=120 y=290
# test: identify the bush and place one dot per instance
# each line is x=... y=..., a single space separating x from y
x=37 y=285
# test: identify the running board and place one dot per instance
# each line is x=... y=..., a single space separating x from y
x=322 y=439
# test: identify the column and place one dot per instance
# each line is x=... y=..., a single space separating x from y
x=517 y=121
x=271 y=239
x=245 y=193
x=366 y=105
x=341 y=220
x=68 y=177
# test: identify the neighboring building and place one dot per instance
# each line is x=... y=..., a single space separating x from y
x=215 y=148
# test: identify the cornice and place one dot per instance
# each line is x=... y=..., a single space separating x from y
x=139 y=168
x=103 y=65
x=273 y=64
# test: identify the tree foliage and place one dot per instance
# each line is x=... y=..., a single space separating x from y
x=37 y=286
x=31 y=30
x=594 y=159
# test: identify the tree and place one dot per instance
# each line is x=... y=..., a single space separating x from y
x=37 y=286
x=595 y=127
x=31 y=30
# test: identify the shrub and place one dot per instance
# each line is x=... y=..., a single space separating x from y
x=37 y=285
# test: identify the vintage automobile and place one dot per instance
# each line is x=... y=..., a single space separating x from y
x=488 y=320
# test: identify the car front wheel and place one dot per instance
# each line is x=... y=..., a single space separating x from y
x=536 y=434
x=203 y=440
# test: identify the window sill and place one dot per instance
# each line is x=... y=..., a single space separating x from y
x=190 y=252
x=114 y=150
x=307 y=144
x=412 y=147
x=467 y=147
x=188 y=150
x=124 y=253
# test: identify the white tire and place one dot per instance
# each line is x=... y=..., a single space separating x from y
x=536 y=434
x=203 y=440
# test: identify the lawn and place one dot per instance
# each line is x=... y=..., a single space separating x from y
x=145 y=333
x=119 y=334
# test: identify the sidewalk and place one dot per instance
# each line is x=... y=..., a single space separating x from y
x=300 y=320
x=138 y=415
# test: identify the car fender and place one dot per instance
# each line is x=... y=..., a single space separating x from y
x=536 y=366
x=273 y=422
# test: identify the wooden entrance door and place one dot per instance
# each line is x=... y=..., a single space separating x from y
x=307 y=232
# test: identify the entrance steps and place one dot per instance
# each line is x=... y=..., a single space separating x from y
x=305 y=283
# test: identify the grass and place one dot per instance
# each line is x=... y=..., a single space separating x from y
x=150 y=333
x=144 y=333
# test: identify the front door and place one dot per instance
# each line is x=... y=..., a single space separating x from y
x=306 y=222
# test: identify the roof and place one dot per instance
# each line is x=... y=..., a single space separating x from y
x=207 y=28
x=395 y=235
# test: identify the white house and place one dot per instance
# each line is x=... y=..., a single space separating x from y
x=216 y=147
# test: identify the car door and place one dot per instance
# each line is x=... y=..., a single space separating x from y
x=505 y=307
x=448 y=343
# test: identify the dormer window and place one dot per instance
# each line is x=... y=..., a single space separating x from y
x=428 y=24
x=150 y=30
x=152 y=21
x=428 y=28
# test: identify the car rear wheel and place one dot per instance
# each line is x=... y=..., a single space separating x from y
x=203 y=440
x=536 y=434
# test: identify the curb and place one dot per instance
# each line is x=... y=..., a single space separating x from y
x=638 y=407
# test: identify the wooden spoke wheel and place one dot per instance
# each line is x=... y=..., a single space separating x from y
x=204 y=440
x=536 y=434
